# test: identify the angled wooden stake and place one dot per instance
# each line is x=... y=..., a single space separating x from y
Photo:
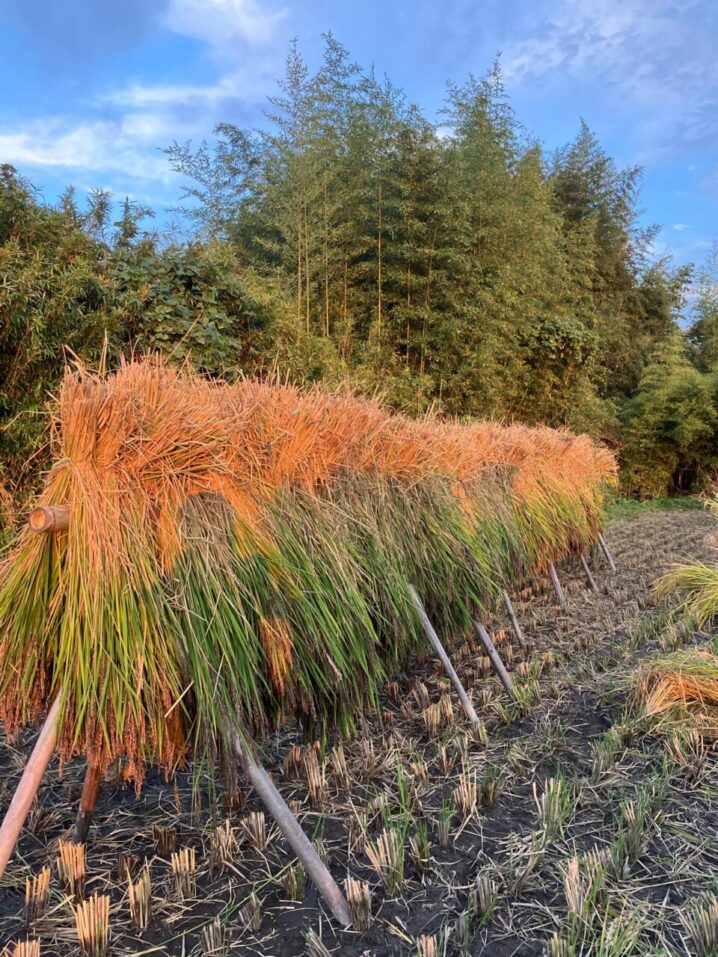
x=441 y=652
x=557 y=586
x=604 y=549
x=290 y=827
x=589 y=577
x=88 y=800
x=493 y=654
x=514 y=620
x=29 y=784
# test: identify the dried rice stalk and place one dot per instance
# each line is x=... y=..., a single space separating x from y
x=255 y=543
x=37 y=896
x=71 y=868
x=92 y=919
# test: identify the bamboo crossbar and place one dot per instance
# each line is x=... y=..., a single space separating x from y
x=49 y=518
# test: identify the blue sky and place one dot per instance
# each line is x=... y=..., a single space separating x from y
x=92 y=89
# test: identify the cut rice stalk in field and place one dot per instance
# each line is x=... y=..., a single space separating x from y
x=683 y=687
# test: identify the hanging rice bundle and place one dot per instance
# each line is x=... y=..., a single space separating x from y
x=241 y=553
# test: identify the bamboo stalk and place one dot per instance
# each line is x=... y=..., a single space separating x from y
x=557 y=586
x=439 y=648
x=606 y=552
x=88 y=800
x=514 y=620
x=49 y=518
x=589 y=577
x=296 y=838
x=490 y=648
x=29 y=783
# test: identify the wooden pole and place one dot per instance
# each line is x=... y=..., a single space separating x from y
x=557 y=586
x=439 y=648
x=514 y=620
x=493 y=654
x=29 y=784
x=49 y=518
x=88 y=800
x=296 y=838
x=589 y=577
x=604 y=549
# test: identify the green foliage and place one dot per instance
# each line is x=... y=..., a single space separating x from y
x=452 y=267
x=703 y=333
x=72 y=285
x=55 y=301
x=671 y=425
x=187 y=302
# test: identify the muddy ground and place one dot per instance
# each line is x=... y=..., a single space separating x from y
x=579 y=724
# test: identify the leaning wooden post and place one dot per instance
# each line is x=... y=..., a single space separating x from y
x=88 y=800
x=296 y=838
x=439 y=648
x=557 y=586
x=589 y=577
x=493 y=654
x=604 y=549
x=514 y=620
x=44 y=518
x=29 y=783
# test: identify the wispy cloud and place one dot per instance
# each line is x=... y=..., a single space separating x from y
x=222 y=22
x=250 y=84
x=123 y=129
x=658 y=56
x=123 y=145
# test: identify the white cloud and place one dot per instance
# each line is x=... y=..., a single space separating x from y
x=221 y=22
x=126 y=127
x=249 y=84
x=240 y=30
x=122 y=145
x=679 y=227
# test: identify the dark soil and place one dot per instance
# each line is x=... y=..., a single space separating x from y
x=588 y=658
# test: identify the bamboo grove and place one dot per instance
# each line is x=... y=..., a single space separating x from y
x=446 y=259
x=241 y=554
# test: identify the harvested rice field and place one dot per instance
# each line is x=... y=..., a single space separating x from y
x=562 y=824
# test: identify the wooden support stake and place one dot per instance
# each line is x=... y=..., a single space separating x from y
x=88 y=800
x=493 y=654
x=589 y=577
x=49 y=518
x=439 y=648
x=604 y=549
x=29 y=783
x=296 y=838
x=514 y=620
x=557 y=586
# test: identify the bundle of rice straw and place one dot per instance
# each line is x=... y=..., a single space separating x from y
x=697 y=583
x=244 y=552
x=683 y=687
